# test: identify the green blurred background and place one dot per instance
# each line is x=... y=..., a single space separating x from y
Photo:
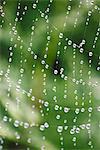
x=40 y=109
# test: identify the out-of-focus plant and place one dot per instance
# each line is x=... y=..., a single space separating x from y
x=22 y=117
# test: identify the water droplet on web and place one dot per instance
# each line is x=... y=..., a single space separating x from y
x=58 y=117
x=5 y=118
x=29 y=140
x=16 y=123
x=90 y=53
x=59 y=129
x=46 y=125
x=55 y=72
x=81 y=50
x=66 y=109
x=54 y=96
x=69 y=42
x=34 y=6
x=26 y=125
x=61 y=35
x=42 y=127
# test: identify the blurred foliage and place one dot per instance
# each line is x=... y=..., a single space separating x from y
x=34 y=113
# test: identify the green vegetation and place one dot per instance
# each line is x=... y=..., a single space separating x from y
x=49 y=75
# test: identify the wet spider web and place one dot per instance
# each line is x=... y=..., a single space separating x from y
x=49 y=83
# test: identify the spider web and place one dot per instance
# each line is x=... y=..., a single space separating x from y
x=49 y=82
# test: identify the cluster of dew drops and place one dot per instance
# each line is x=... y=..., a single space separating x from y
x=74 y=129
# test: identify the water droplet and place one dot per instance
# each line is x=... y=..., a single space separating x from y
x=90 y=54
x=61 y=35
x=60 y=129
x=66 y=109
x=55 y=72
x=34 y=6
x=16 y=123
x=26 y=125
